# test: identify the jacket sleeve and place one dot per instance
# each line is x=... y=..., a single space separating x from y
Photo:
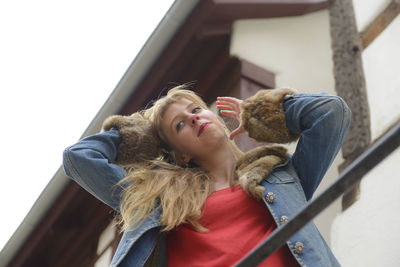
x=321 y=122
x=90 y=163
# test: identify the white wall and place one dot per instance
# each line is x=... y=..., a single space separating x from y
x=104 y=246
x=382 y=71
x=297 y=50
x=367 y=233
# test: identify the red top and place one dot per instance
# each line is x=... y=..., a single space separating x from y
x=236 y=224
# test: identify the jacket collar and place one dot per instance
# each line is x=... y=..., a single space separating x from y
x=257 y=164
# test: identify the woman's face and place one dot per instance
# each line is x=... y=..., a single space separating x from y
x=192 y=130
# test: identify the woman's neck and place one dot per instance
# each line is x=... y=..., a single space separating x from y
x=221 y=165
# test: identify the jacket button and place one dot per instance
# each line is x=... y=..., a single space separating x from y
x=298 y=247
x=270 y=197
x=283 y=219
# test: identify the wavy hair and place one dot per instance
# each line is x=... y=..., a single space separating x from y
x=179 y=191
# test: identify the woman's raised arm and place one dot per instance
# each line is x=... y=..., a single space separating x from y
x=322 y=121
x=89 y=162
x=282 y=115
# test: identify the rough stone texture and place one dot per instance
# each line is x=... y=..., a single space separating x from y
x=350 y=81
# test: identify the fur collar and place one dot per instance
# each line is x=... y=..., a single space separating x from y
x=257 y=164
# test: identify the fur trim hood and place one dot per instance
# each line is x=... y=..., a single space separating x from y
x=263 y=116
x=256 y=165
x=138 y=140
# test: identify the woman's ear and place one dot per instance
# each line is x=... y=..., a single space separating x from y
x=182 y=159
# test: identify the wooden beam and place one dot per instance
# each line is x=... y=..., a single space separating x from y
x=263 y=77
x=45 y=225
x=380 y=23
x=350 y=81
x=230 y=10
x=215 y=71
x=92 y=229
x=214 y=30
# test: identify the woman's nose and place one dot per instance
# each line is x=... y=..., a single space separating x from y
x=194 y=119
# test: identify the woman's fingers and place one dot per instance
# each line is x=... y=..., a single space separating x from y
x=236 y=132
x=229 y=98
x=227 y=111
x=231 y=101
x=227 y=105
x=230 y=106
x=222 y=107
x=230 y=113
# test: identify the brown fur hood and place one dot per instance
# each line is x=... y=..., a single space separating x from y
x=257 y=164
x=138 y=140
x=263 y=116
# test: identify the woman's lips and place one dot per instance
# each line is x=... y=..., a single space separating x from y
x=202 y=128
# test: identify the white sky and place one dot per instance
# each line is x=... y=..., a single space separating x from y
x=59 y=61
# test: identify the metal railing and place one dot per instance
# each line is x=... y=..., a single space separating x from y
x=347 y=179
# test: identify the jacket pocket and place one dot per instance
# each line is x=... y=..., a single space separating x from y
x=280 y=177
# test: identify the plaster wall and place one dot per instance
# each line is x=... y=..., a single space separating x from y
x=366 y=234
x=381 y=62
x=297 y=50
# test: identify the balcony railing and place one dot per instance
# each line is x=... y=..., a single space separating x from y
x=346 y=181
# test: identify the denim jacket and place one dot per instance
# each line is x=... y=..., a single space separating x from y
x=320 y=119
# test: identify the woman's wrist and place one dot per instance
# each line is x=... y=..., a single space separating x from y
x=263 y=116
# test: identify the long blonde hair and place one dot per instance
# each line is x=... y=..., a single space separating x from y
x=180 y=191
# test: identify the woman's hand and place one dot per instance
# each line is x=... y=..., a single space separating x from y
x=230 y=106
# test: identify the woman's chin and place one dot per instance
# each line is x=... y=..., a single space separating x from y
x=216 y=140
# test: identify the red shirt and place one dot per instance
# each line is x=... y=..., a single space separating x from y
x=236 y=224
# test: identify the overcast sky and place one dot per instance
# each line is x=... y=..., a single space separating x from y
x=59 y=61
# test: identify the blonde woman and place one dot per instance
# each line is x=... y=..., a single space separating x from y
x=188 y=196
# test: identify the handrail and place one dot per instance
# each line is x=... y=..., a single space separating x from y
x=347 y=179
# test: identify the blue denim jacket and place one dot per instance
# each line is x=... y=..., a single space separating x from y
x=322 y=121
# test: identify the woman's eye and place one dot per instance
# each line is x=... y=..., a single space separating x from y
x=179 y=125
x=196 y=109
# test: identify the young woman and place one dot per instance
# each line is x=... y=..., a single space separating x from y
x=188 y=197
